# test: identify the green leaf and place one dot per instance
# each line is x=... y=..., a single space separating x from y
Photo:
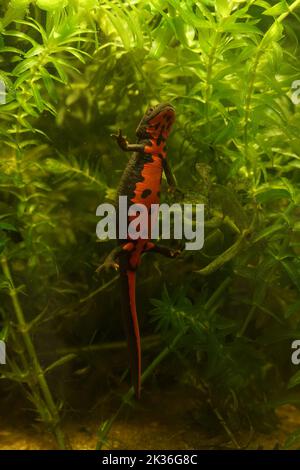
x=38 y=99
x=50 y=5
x=61 y=72
x=244 y=28
x=6 y=226
x=163 y=36
x=20 y=35
x=37 y=50
x=274 y=33
x=225 y=257
x=292 y=309
x=271 y=192
x=293 y=272
x=4 y=333
x=11 y=49
x=184 y=33
x=60 y=362
x=268 y=232
x=118 y=20
x=277 y=9
x=292 y=439
x=223 y=7
x=294 y=380
x=2 y=245
x=26 y=64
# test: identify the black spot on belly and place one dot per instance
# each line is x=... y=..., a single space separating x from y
x=146 y=193
x=160 y=139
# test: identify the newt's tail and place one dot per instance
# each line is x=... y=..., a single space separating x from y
x=132 y=328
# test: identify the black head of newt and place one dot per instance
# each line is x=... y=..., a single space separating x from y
x=156 y=122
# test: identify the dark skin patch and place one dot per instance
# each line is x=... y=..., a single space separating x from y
x=146 y=193
x=160 y=139
x=158 y=193
x=133 y=174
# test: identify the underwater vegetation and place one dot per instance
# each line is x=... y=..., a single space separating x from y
x=218 y=323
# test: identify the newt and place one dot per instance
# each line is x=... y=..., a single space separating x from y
x=140 y=184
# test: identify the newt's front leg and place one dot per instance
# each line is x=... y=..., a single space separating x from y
x=163 y=250
x=125 y=145
x=171 y=179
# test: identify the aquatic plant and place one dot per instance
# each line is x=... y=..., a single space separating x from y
x=74 y=71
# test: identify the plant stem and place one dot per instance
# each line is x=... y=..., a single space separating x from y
x=146 y=343
x=105 y=428
x=223 y=423
x=217 y=293
x=211 y=58
x=100 y=289
x=53 y=412
x=229 y=254
x=35 y=391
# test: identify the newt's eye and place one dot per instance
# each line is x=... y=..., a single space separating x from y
x=150 y=110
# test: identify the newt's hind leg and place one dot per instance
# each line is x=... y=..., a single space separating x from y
x=111 y=261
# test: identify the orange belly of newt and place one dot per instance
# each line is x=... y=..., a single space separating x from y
x=147 y=192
